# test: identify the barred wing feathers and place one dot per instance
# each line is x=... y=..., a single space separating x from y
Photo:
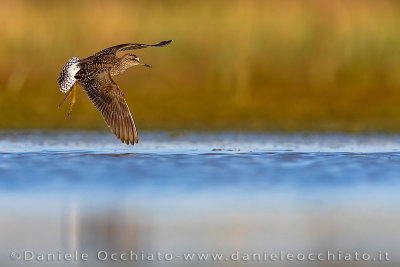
x=110 y=101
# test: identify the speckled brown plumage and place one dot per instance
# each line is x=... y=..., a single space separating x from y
x=95 y=76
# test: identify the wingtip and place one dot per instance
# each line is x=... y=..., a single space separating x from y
x=131 y=142
x=164 y=43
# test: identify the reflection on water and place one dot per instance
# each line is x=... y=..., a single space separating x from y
x=217 y=193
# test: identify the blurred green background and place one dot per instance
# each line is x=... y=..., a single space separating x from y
x=322 y=65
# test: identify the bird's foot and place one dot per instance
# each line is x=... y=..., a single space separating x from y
x=66 y=96
x=71 y=105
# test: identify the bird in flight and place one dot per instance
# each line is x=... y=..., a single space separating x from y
x=95 y=74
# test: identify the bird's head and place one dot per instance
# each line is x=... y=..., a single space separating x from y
x=133 y=60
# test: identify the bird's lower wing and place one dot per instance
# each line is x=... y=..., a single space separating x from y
x=110 y=101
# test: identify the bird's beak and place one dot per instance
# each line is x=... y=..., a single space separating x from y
x=140 y=63
x=145 y=65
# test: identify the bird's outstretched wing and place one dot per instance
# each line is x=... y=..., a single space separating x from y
x=124 y=47
x=110 y=101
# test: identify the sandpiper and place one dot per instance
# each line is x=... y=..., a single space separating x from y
x=94 y=74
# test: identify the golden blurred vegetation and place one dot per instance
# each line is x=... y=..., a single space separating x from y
x=322 y=65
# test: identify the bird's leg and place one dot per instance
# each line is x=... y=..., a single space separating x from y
x=73 y=99
x=66 y=96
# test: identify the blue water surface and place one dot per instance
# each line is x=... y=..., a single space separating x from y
x=247 y=162
x=185 y=192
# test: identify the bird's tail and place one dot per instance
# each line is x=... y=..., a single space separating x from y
x=67 y=75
